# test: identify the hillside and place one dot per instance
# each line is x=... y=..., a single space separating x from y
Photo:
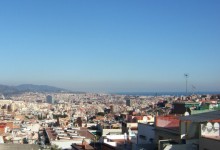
x=5 y=89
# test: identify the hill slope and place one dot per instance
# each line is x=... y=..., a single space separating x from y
x=5 y=89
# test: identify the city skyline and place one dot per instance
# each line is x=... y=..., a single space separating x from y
x=111 y=46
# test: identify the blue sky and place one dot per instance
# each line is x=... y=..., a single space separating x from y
x=111 y=46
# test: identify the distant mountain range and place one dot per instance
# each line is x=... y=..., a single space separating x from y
x=5 y=89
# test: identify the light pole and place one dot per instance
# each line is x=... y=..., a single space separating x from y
x=186 y=76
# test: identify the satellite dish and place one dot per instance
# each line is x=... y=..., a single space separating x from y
x=216 y=126
x=186 y=113
x=209 y=126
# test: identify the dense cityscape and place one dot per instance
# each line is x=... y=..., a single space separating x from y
x=109 y=75
x=90 y=121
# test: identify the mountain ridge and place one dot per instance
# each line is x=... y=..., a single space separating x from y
x=6 y=89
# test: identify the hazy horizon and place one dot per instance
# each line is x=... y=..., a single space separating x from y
x=124 y=90
x=111 y=46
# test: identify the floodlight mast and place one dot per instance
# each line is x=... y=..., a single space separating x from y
x=186 y=76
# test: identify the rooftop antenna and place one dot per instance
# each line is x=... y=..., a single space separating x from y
x=186 y=75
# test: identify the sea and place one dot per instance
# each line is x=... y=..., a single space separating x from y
x=166 y=93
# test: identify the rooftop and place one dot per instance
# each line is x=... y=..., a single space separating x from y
x=202 y=117
x=19 y=146
x=212 y=137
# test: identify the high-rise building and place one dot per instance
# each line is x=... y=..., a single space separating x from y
x=128 y=102
x=49 y=99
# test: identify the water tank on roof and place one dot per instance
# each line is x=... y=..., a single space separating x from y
x=186 y=113
x=216 y=126
x=209 y=126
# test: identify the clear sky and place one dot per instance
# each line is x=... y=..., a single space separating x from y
x=111 y=46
